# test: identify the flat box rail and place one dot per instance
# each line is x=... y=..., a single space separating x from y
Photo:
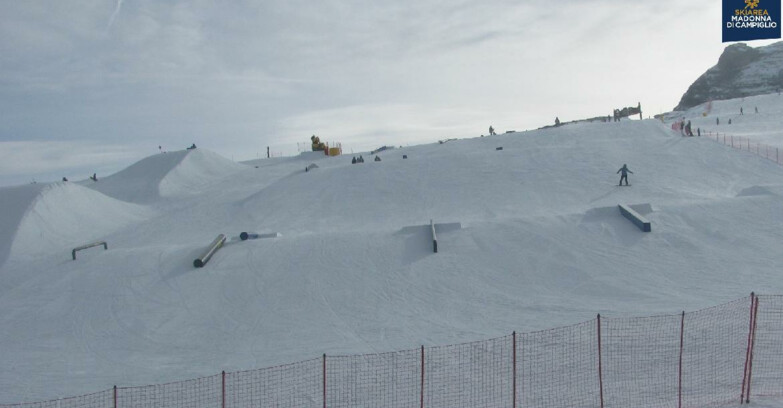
x=94 y=244
x=635 y=217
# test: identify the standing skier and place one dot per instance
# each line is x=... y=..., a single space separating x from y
x=624 y=174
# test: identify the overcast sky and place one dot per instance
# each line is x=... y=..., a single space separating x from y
x=95 y=85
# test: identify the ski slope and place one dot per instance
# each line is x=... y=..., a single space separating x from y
x=539 y=243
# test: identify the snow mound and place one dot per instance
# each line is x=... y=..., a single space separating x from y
x=172 y=174
x=60 y=216
x=198 y=169
x=14 y=201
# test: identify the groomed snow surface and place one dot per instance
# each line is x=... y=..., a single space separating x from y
x=539 y=244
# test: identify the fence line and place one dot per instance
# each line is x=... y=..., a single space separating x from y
x=768 y=152
x=706 y=357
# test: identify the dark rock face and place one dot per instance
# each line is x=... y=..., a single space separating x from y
x=741 y=71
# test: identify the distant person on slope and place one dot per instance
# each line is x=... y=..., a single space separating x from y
x=557 y=121
x=624 y=175
x=491 y=131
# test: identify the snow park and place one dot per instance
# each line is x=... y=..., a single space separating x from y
x=490 y=271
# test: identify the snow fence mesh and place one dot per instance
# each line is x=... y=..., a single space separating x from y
x=713 y=356
x=559 y=367
x=767 y=370
x=477 y=374
x=292 y=385
x=199 y=392
x=374 y=380
x=714 y=353
x=640 y=360
x=101 y=399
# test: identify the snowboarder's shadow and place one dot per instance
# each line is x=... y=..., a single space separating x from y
x=602 y=196
x=183 y=266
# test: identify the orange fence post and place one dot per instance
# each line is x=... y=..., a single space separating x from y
x=422 y=378
x=600 y=374
x=514 y=368
x=679 y=380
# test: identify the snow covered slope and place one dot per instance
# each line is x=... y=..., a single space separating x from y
x=14 y=202
x=172 y=174
x=42 y=219
x=765 y=127
x=540 y=243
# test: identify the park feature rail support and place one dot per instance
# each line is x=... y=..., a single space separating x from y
x=434 y=238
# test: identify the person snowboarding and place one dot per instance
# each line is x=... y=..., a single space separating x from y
x=624 y=174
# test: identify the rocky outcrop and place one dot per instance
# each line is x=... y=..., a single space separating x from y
x=741 y=71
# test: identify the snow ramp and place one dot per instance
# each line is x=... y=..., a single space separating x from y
x=59 y=216
x=165 y=175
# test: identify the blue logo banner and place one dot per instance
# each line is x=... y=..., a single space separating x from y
x=745 y=20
